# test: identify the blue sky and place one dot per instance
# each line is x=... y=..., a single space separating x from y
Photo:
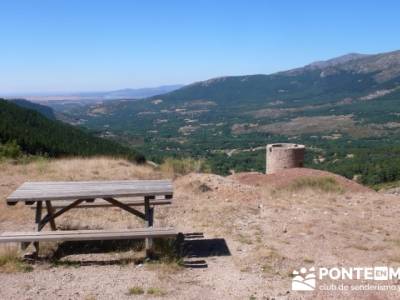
x=84 y=45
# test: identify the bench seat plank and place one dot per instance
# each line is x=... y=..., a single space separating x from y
x=72 y=190
x=86 y=235
x=102 y=203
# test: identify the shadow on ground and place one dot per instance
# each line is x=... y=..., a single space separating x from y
x=195 y=248
x=66 y=249
x=190 y=249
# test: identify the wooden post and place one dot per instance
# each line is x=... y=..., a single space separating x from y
x=148 y=211
x=50 y=212
x=38 y=218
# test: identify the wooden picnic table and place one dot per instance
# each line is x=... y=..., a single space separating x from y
x=60 y=197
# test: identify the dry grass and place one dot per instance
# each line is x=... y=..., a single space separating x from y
x=322 y=184
x=244 y=239
x=167 y=262
x=152 y=291
x=74 y=169
x=136 y=290
x=10 y=261
x=176 y=167
x=156 y=292
x=96 y=169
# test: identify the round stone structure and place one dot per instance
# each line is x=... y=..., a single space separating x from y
x=284 y=156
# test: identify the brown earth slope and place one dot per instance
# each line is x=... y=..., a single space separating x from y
x=286 y=177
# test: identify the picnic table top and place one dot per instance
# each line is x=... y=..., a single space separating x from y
x=73 y=190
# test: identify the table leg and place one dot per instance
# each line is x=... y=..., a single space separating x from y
x=149 y=212
x=38 y=218
x=50 y=212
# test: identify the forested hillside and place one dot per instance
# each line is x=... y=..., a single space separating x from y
x=44 y=110
x=36 y=134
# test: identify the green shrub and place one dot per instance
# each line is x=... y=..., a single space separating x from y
x=155 y=291
x=136 y=290
x=10 y=150
x=136 y=158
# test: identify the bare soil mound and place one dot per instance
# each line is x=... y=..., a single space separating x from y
x=287 y=177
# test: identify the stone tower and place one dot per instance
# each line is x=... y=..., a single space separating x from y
x=284 y=156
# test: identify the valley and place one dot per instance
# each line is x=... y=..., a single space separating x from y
x=344 y=105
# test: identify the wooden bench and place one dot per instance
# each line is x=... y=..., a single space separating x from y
x=60 y=197
x=86 y=235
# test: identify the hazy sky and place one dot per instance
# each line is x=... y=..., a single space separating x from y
x=83 y=45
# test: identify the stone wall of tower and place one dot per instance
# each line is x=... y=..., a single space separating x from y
x=284 y=156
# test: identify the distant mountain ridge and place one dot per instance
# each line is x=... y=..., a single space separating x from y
x=337 y=60
x=141 y=93
x=127 y=93
x=351 y=75
x=386 y=66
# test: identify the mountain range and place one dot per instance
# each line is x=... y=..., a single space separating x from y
x=337 y=107
x=345 y=85
x=127 y=93
x=350 y=75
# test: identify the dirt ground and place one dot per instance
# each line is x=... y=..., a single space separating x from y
x=284 y=178
x=249 y=237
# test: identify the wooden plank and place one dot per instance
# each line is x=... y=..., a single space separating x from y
x=102 y=203
x=86 y=235
x=74 y=184
x=42 y=191
x=50 y=212
x=94 y=182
